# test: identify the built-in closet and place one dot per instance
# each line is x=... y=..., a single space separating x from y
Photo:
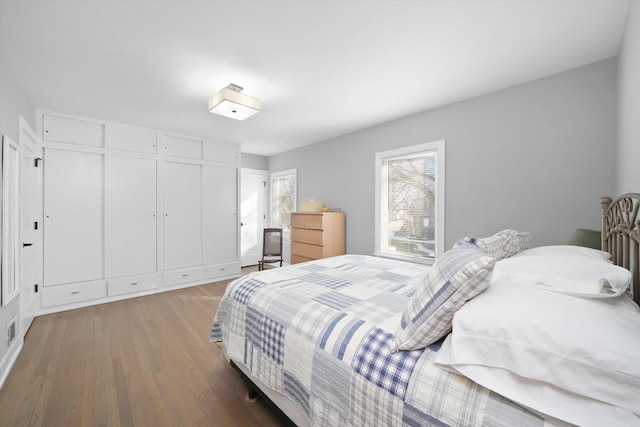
x=130 y=211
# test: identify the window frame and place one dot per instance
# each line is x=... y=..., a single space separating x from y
x=381 y=214
x=286 y=233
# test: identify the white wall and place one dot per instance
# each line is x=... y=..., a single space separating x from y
x=13 y=103
x=629 y=105
x=534 y=157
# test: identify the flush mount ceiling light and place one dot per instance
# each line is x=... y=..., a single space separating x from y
x=230 y=102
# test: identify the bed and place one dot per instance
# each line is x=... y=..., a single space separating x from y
x=495 y=333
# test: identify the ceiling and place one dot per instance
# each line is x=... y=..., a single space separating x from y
x=320 y=68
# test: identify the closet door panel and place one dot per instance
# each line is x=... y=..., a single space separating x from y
x=62 y=129
x=130 y=139
x=218 y=151
x=130 y=216
x=72 y=217
x=182 y=147
x=183 y=215
x=220 y=223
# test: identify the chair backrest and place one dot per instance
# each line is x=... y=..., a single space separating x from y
x=272 y=242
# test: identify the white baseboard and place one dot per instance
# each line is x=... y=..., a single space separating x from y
x=10 y=359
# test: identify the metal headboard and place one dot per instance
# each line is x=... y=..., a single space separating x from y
x=621 y=235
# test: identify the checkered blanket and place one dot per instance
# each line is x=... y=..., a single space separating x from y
x=319 y=333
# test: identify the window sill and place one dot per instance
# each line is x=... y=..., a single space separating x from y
x=415 y=260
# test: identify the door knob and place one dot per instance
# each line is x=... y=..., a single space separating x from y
x=27 y=244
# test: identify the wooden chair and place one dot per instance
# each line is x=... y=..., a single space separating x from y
x=271 y=247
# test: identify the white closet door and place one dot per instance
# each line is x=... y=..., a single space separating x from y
x=220 y=223
x=130 y=216
x=183 y=215
x=72 y=217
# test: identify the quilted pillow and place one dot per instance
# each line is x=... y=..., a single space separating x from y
x=516 y=242
x=456 y=277
x=501 y=245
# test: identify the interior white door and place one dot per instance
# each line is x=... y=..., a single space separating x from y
x=252 y=214
x=30 y=223
x=220 y=220
x=129 y=215
x=72 y=217
x=182 y=215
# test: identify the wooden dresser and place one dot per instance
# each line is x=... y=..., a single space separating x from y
x=316 y=235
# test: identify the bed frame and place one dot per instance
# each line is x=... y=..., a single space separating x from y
x=621 y=235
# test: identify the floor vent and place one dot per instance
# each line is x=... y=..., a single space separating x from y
x=11 y=332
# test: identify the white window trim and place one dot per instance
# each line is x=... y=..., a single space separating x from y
x=438 y=147
x=279 y=174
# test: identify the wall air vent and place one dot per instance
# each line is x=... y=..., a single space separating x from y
x=12 y=332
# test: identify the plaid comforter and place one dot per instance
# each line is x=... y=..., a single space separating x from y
x=319 y=333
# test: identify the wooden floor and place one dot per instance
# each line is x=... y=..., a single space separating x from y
x=140 y=362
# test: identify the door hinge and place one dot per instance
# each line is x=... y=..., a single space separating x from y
x=35 y=288
x=36 y=160
x=264 y=184
x=35 y=225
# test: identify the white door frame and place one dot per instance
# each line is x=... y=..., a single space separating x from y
x=10 y=219
x=30 y=224
x=251 y=255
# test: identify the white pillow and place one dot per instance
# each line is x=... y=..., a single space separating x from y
x=565 y=250
x=579 y=275
x=588 y=347
x=556 y=405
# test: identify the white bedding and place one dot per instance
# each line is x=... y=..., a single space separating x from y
x=571 y=358
x=575 y=276
x=309 y=331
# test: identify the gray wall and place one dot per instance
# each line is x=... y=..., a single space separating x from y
x=253 y=161
x=13 y=103
x=533 y=157
x=629 y=105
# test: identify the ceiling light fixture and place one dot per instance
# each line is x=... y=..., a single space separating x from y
x=229 y=102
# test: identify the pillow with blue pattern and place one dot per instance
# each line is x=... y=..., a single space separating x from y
x=457 y=276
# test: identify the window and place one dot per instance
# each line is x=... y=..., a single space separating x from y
x=283 y=199
x=410 y=202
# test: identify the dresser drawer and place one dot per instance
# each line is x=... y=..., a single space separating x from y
x=296 y=259
x=73 y=293
x=183 y=275
x=131 y=284
x=306 y=250
x=222 y=270
x=304 y=235
x=313 y=221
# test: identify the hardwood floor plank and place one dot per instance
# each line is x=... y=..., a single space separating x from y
x=138 y=362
